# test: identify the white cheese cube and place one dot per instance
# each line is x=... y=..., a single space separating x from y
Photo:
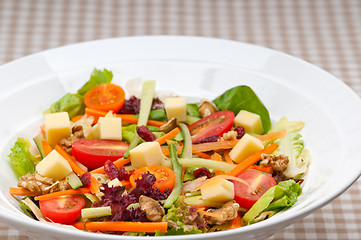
x=54 y=166
x=57 y=127
x=251 y=122
x=218 y=190
x=246 y=146
x=176 y=107
x=110 y=128
x=146 y=154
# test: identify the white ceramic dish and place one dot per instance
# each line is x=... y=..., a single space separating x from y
x=192 y=67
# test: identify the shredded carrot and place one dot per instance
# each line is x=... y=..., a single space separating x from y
x=203 y=155
x=272 y=136
x=167 y=136
x=23 y=192
x=46 y=147
x=76 y=118
x=128 y=118
x=125 y=183
x=63 y=193
x=217 y=157
x=235 y=222
x=94 y=185
x=118 y=163
x=42 y=128
x=227 y=157
x=266 y=169
x=122 y=226
x=74 y=166
x=205 y=147
x=252 y=160
x=201 y=209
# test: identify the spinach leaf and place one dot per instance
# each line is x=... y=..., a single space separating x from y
x=244 y=98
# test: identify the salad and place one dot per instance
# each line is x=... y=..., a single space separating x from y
x=105 y=162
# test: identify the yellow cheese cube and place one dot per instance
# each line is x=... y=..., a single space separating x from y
x=251 y=122
x=218 y=190
x=146 y=154
x=110 y=128
x=57 y=127
x=247 y=146
x=176 y=107
x=54 y=166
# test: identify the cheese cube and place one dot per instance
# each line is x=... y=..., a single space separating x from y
x=146 y=154
x=251 y=122
x=57 y=127
x=54 y=165
x=218 y=190
x=110 y=128
x=176 y=107
x=246 y=146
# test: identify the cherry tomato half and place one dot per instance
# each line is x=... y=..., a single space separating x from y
x=93 y=153
x=214 y=124
x=165 y=177
x=105 y=97
x=259 y=183
x=64 y=209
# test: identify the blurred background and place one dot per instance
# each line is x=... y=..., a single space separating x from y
x=326 y=33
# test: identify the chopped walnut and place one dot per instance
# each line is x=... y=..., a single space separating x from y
x=206 y=108
x=169 y=126
x=227 y=212
x=77 y=134
x=37 y=183
x=277 y=162
x=228 y=136
x=191 y=185
x=152 y=208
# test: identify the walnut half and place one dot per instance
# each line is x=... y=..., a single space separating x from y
x=37 y=183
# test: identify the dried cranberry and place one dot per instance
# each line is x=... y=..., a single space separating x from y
x=85 y=179
x=200 y=172
x=124 y=174
x=240 y=132
x=145 y=133
x=213 y=138
x=111 y=170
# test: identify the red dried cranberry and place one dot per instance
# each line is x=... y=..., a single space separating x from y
x=200 y=172
x=145 y=133
x=124 y=174
x=240 y=132
x=85 y=179
x=213 y=138
x=111 y=170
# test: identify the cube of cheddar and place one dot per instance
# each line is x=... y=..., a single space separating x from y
x=247 y=146
x=146 y=154
x=54 y=165
x=218 y=190
x=251 y=122
x=110 y=128
x=57 y=127
x=176 y=107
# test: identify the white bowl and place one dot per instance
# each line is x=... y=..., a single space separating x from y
x=192 y=67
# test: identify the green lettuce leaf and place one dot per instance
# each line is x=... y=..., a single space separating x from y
x=278 y=198
x=244 y=98
x=192 y=110
x=21 y=159
x=97 y=77
x=71 y=103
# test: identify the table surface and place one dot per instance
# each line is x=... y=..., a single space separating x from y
x=326 y=33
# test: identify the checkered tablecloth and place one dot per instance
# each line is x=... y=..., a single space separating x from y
x=326 y=33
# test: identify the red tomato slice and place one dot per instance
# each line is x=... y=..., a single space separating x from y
x=105 y=97
x=259 y=183
x=93 y=153
x=165 y=177
x=214 y=124
x=64 y=209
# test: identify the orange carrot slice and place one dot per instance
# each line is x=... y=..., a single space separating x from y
x=46 y=147
x=235 y=222
x=167 y=136
x=266 y=169
x=74 y=166
x=63 y=193
x=23 y=192
x=122 y=226
x=272 y=136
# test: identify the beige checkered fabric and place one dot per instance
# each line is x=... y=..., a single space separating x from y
x=326 y=33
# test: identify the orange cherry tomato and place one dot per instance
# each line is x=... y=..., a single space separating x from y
x=105 y=97
x=165 y=177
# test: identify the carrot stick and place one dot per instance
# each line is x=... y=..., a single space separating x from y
x=42 y=128
x=252 y=160
x=63 y=193
x=167 y=136
x=227 y=157
x=205 y=147
x=235 y=222
x=74 y=166
x=76 y=118
x=266 y=169
x=118 y=163
x=125 y=183
x=23 y=192
x=128 y=118
x=94 y=185
x=46 y=147
x=272 y=136
x=203 y=155
x=122 y=226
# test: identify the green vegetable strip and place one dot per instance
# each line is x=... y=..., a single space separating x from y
x=146 y=101
x=187 y=146
x=178 y=184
